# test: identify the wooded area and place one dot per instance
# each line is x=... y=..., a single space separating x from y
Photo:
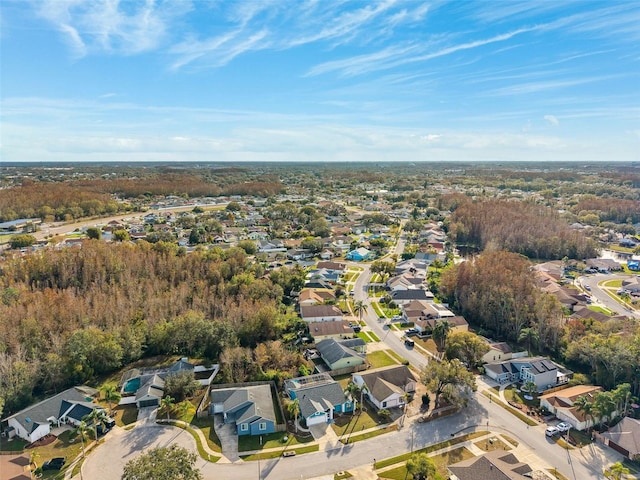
x=68 y=315
x=527 y=228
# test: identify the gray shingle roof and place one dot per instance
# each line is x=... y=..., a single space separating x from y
x=496 y=465
x=320 y=398
x=153 y=387
x=249 y=403
x=626 y=434
x=382 y=382
x=332 y=351
x=41 y=412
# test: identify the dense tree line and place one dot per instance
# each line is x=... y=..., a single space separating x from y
x=68 y=315
x=56 y=201
x=69 y=200
x=521 y=227
x=495 y=292
x=616 y=210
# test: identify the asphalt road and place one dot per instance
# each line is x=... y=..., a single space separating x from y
x=601 y=296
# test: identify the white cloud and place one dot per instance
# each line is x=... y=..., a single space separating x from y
x=110 y=26
x=552 y=119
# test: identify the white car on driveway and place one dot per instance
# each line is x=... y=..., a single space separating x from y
x=563 y=427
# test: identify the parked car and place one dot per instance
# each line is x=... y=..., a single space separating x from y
x=356 y=328
x=54 y=464
x=551 y=431
x=409 y=343
x=587 y=288
x=563 y=427
x=290 y=453
x=411 y=332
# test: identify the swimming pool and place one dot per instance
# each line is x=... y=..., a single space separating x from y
x=132 y=385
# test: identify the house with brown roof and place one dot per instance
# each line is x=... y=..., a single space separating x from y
x=561 y=404
x=386 y=387
x=498 y=351
x=315 y=296
x=338 y=330
x=320 y=313
x=625 y=438
x=496 y=465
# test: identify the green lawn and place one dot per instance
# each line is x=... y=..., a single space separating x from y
x=442 y=461
x=206 y=425
x=427 y=344
x=348 y=423
x=364 y=336
x=278 y=453
x=380 y=359
x=15 y=445
x=66 y=445
x=430 y=449
x=374 y=337
x=125 y=415
x=366 y=435
x=397 y=357
x=377 y=309
x=491 y=444
x=611 y=283
x=515 y=411
x=271 y=440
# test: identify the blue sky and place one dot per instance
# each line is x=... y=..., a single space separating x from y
x=319 y=80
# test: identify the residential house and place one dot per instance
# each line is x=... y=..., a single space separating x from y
x=403 y=297
x=425 y=316
x=625 y=438
x=541 y=371
x=250 y=408
x=604 y=265
x=360 y=255
x=68 y=407
x=561 y=404
x=337 y=330
x=405 y=281
x=325 y=275
x=338 y=356
x=498 y=351
x=356 y=343
x=318 y=283
x=320 y=313
x=334 y=266
x=145 y=387
x=386 y=387
x=326 y=254
x=495 y=465
x=319 y=398
x=315 y=296
x=268 y=246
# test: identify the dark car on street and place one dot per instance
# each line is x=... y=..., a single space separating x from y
x=54 y=464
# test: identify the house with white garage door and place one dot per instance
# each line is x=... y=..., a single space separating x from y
x=319 y=397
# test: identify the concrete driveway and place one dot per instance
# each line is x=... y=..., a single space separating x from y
x=228 y=438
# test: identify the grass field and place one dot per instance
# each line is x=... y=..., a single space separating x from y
x=442 y=461
x=380 y=358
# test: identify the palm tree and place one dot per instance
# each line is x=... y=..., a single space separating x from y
x=617 y=471
x=604 y=405
x=529 y=387
x=97 y=415
x=82 y=429
x=440 y=332
x=621 y=395
x=363 y=389
x=111 y=395
x=32 y=461
x=183 y=408
x=530 y=335
x=294 y=411
x=167 y=404
x=585 y=406
x=352 y=390
x=359 y=307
